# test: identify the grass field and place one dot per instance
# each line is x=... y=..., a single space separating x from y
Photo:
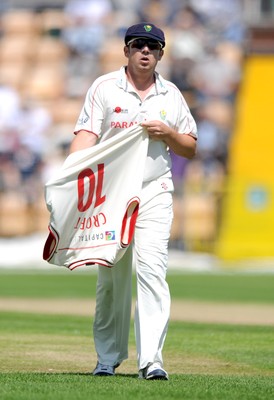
x=50 y=355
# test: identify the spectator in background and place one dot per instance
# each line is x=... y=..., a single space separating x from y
x=222 y=18
x=23 y=129
x=216 y=77
x=29 y=166
x=35 y=122
x=9 y=138
x=186 y=49
x=87 y=22
x=9 y=107
x=85 y=32
x=160 y=11
x=213 y=144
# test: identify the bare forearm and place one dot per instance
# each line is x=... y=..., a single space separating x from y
x=182 y=144
x=82 y=140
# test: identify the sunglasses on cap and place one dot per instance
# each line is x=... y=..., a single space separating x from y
x=139 y=43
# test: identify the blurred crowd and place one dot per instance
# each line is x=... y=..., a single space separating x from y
x=49 y=56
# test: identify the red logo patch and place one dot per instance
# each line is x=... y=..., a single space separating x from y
x=117 y=110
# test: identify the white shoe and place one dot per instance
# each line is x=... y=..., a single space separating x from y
x=153 y=371
x=104 y=370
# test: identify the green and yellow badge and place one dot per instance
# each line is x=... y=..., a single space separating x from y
x=147 y=28
x=163 y=114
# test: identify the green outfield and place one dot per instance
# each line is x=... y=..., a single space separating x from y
x=48 y=352
x=62 y=283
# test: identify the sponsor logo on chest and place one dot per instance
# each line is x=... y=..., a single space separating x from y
x=119 y=110
x=121 y=124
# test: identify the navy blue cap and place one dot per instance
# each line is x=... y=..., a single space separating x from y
x=146 y=30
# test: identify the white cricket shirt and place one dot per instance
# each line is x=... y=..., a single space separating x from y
x=112 y=105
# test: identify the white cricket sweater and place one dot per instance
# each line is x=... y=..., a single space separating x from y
x=94 y=200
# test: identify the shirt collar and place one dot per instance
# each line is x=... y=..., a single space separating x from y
x=160 y=85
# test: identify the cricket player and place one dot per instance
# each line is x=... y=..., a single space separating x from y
x=137 y=94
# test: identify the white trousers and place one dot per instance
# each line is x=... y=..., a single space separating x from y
x=113 y=294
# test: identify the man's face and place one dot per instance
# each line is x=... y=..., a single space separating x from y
x=143 y=53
